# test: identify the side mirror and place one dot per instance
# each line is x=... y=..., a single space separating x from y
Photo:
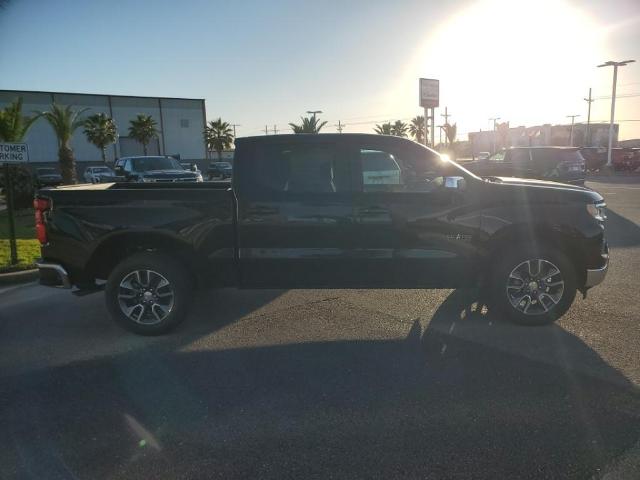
x=457 y=183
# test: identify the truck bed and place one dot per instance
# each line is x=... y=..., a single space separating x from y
x=89 y=226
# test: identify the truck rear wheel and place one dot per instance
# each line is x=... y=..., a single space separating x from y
x=148 y=293
x=533 y=285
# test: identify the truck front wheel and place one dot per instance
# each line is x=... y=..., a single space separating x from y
x=148 y=293
x=533 y=286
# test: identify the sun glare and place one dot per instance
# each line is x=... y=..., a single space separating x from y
x=517 y=59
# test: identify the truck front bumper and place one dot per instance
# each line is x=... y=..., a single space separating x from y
x=596 y=276
x=53 y=275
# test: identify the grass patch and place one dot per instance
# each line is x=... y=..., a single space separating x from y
x=28 y=246
x=28 y=252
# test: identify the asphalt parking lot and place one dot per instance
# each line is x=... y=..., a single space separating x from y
x=329 y=383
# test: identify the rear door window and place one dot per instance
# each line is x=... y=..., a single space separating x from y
x=300 y=168
x=520 y=157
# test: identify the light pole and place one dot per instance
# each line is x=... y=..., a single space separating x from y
x=572 y=117
x=494 y=120
x=313 y=113
x=615 y=66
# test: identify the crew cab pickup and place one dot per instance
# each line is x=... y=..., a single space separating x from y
x=315 y=211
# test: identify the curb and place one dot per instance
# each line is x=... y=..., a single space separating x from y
x=18 y=277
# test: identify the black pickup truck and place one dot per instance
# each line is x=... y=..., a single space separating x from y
x=318 y=211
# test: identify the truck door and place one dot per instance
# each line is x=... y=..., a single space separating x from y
x=413 y=228
x=295 y=213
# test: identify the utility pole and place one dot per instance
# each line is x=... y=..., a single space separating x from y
x=572 y=117
x=275 y=130
x=234 y=125
x=340 y=126
x=266 y=129
x=589 y=102
x=446 y=115
x=615 y=66
x=494 y=120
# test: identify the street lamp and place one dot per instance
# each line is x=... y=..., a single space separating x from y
x=615 y=66
x=494 y=120
x=313 y=112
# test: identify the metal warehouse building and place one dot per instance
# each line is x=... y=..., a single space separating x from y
x=180 y=121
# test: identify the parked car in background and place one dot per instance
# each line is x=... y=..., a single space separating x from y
x=99 y=174
x=47 y=177
x=220 y=170
x=559 y=164
x=302 y=212
x=152 y=169
x=190 y=166
x=625 y=159
x=595 y=157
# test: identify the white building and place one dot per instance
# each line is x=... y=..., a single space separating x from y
x=596 y=134
x=180 y=122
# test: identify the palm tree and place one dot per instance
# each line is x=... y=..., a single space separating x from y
x=399 y=129
x=143 y=129
x=451 y=132
x=417 y=129
x=65 y=121
x=101 y=131
x=384 y=129
x=13 y=125
x=308 y=125
x=218 y=136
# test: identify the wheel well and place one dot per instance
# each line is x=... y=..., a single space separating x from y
x=546 y=237
x=112 y=251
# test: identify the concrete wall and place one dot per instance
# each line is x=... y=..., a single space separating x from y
x=180 y=121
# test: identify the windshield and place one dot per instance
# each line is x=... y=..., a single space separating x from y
x=155 y=163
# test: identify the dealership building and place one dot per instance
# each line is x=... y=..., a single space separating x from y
x=180 y=122
x=579 y=134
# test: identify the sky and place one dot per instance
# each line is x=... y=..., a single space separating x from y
x=260 y=63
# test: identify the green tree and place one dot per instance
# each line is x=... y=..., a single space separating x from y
x=384 y=129
x=13 y=125
x=399 y=129
x=101 y=131
x=417 y=129
x=218 y=136
x=143 y=129
x=65 y=121
x=309 y=125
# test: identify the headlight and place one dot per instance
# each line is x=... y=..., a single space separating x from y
x=199 y=178
x=597 y=211
x=146 y=180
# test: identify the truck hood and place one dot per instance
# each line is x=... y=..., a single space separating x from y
x=540 y=186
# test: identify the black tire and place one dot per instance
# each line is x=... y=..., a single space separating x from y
x=158 y=311
x=505 y=288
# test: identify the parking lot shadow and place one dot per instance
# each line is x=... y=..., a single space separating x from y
x=620 y=231
x=469 y=396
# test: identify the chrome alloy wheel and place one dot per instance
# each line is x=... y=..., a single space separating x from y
x=146 y=297
x=535 y=286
